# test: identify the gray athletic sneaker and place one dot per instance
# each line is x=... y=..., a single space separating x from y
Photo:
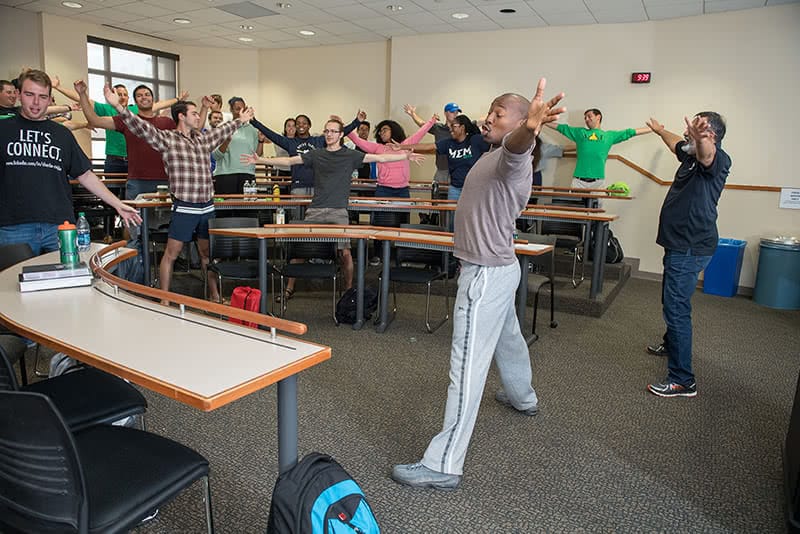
x=502 y=398
x=418 y=476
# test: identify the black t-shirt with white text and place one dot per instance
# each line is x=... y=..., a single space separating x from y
x=36 y=159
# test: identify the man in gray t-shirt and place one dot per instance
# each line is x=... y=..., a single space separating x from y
x=485 y=324
x=333 y=170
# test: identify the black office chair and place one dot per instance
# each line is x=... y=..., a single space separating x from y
x=324 y=266
x=105 y=479
x=545 y=268
x=235 y=257
x=84 y=397
x=419 y=266
x=15 y=346
x=570 y=236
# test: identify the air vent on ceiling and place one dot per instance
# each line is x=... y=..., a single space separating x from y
x=137 y=33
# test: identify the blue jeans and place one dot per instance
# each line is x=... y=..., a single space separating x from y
x=681 y=270
x=115 y=165
x=397 y=192
x=42 y=237
x=453 y=193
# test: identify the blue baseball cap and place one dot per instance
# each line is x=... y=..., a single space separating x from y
x=452 y=107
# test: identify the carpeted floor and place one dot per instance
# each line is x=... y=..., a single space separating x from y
x=603 y=455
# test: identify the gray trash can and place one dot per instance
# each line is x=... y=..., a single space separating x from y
x=778 y=277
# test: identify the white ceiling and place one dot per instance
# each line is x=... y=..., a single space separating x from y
x=351 y=21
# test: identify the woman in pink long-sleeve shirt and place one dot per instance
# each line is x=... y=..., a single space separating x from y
x=393 y=176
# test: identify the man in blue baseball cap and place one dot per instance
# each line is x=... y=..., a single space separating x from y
x=452 y=107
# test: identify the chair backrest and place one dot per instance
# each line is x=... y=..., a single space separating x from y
x=13 y=254
x=229 y=248
x=41 y=482
x=311 y=249
x=8 y=379
x=394 y=219
x=430 y=258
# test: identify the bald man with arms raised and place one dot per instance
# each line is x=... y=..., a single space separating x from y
x=485 y=324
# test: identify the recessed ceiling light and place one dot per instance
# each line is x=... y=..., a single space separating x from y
x=306 y=32
x=508 y=10
x=181 y=21
x=246 y=27
x=460 y=16
x=283 y=5
x=394 y=7
x=246 y=39
x=72 y=5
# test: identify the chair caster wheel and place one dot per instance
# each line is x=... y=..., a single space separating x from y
x=553 y=324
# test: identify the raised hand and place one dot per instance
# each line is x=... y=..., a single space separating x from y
x=654 y=125
x=184 y=95
x=55 y=82
x=361 y=115
x=416 y=158
x=207 y=102
x=698 y=128
x=80 y=86
x=249 y=159
x=111 y=95
x=409 y=109
x=246 y=115
x=435 y=117
x=75 y=106
x=541 y=112
x=394 y=145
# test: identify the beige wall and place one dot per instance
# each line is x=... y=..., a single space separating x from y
x=744 y=64
x=20 y=41
x=323 y=81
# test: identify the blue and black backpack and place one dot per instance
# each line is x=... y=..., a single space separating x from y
x=317 y=496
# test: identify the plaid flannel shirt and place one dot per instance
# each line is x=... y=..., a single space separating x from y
x=186 y=158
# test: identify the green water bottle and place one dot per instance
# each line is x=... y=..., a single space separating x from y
x=68 y=243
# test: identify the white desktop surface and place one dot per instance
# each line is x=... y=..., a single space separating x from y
x=196 y=359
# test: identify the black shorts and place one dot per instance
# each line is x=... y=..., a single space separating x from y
x=189 y=218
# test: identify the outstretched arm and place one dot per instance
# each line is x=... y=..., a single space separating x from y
x=417 y=136
x=540 y=112
x=385 y=158
x=66 y=91
x=95 y=121
x=252 y=159
x=163 y=104
x=422 y=148
x=645 y=130
x=361 y=116
x=90 y=181
x=700 y=132
x=411 y=111
x=670 y=139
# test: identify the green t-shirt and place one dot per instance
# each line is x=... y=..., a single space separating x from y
x=115 y=141
x=592 y=148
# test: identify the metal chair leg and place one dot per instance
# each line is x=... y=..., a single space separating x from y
x=432 y=329
x=207 y=501
x=36 y=365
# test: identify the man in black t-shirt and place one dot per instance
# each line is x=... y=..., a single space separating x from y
x=36 y=158
x=687 y=229
x=333 y=169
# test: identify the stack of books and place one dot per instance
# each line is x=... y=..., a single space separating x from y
x=54 y=276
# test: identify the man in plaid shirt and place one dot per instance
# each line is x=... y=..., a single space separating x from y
x=185 y=151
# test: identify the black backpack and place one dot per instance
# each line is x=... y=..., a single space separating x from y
x=614 y=252
x=346 y=307
x=317 y=496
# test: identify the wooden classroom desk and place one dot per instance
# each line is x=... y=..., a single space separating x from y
x=193 y=358
x=443 y=241
x=592 y=221
x=308 y=232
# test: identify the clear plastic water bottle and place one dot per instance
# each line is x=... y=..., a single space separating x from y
x=246 y=189
x=84 y=232
x=280 y=216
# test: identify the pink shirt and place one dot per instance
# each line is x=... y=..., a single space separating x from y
x=394 y=173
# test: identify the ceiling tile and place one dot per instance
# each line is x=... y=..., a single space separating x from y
x=175 y=5
x=376 y=23
x=613 y=5
x=145 y=10
x=620 y=15
x=150 y=25
x=413 y=19
x=350 y=12
x=717 y=6
x=477 y=26
x=339 y=28
x=213 y=15
x=315 y=16
x=492 y=9
x=275 y=21
x=520 y=22
x=325 y=4
x=777 y=2
x=557 y=6
x=444 y=4
x=659 y=12
x=363 y=37
x=380 y=6
x=568 y=19
x=399 y=31
x=114 y=15
x=440 y=27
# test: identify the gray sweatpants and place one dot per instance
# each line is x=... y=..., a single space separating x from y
x=484 y=325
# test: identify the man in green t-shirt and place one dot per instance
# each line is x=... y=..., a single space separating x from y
x=116 y=149
x=592 y=145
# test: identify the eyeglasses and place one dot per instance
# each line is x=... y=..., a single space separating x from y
x=326 y=132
